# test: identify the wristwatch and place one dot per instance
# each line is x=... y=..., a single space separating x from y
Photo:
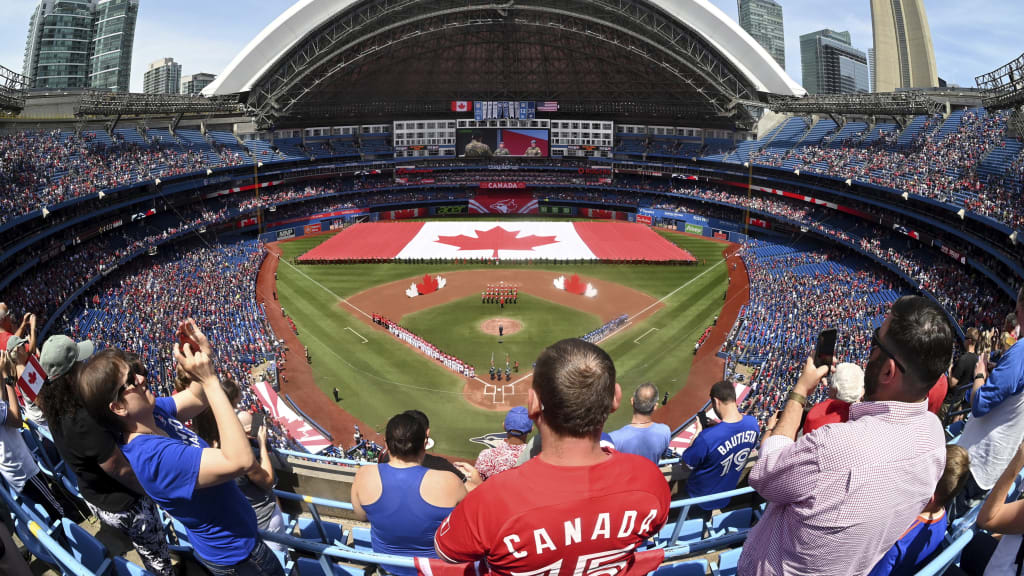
x=980 y=375
x=798 y=398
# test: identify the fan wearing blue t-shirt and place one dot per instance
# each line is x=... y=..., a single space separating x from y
x=718 y=454
x=922 y=540
x=643 y=436
x=177 y=469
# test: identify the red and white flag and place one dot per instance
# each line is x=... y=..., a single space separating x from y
x=450 y=240
x=31 y=379
x=462 y=106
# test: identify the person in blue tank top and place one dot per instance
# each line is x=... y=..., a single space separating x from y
x=177 y=469
x=404 y=501
x=718 y=454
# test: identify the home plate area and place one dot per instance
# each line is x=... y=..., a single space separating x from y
x=551 y=241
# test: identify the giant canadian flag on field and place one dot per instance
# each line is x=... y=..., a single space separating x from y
x=498 y=240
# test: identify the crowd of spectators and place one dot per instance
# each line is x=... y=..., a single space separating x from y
x=971 y=300
x=47 y=168
x=937 y=166
x=795 y=293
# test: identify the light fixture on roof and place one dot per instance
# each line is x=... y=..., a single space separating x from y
x=961 y=213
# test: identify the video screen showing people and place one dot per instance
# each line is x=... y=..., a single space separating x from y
x=498 y=142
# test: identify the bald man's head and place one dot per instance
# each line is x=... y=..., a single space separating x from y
x=645 y=398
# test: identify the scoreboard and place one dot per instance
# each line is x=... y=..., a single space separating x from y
x=505 y=109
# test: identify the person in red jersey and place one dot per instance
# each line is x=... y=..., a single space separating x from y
x=575 y=509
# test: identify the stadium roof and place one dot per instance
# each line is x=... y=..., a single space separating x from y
x=329 y=61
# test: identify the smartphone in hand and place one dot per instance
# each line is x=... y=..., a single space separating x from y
x=257 y=423
x=184 y=338
x=825 y=351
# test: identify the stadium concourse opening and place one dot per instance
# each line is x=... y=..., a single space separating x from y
x=553 y=241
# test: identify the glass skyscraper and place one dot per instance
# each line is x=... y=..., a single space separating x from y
x=111 y=62
x=831 y=65
x=74 y=44
x=762 y=19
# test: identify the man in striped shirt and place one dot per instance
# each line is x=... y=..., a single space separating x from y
x=839 y=497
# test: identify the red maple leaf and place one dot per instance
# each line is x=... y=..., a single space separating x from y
x=31 y=377
x=495 y=239
x=428 y=285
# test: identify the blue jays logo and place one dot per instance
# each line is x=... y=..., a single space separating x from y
x=490 y=440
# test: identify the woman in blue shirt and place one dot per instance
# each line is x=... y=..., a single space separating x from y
x=178 y=470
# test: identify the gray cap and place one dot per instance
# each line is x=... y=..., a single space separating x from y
x=13 y=342
x=60 y=353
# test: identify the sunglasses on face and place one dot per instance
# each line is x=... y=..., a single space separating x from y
x=876 y=342
x=130 y=381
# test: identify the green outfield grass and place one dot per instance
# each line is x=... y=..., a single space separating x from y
x=382 y=377
x=455 y=328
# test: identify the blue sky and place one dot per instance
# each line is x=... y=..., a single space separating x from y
x=969 y=38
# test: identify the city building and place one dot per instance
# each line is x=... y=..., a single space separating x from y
x=762 y=19
x=831 y=65
x=194 y=83
x=75 y=44
x=904 y=57
x=110 y=65
x=60 y=34
x=162 y=77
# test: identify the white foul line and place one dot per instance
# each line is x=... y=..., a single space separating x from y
x=637 y=341
x=356 y=333
x=669 y=295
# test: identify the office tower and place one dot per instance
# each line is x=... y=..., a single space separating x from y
x=831 y=65
x=903 y=45
x=74 y=44
x=114 y=37
x=59 y=44
x=162 y=77
x=194 y=83
x=762 y=19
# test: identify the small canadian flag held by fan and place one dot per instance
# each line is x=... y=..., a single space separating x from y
x=462 y=106
x=31 y=379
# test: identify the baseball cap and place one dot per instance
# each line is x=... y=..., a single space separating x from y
x=848 y=382
x=13 y=342
x=60 y=353
x=517 y=422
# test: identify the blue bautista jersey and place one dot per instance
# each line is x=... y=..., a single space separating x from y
x=717 y=456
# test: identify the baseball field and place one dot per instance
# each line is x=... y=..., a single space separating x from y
x=378 y=375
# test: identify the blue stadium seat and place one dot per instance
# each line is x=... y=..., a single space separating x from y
x=731 y=521
x=686 y=568
x=361 y=539
x=85 y=548
x=692 y=530
x=322 y=531
x=311 y=567
x=727 y=563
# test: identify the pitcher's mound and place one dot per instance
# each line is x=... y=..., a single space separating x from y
x=510 y=326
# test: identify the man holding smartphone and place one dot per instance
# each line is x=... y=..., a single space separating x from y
x=840 y=497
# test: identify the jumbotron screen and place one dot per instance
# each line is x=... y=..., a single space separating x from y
x=492 y=142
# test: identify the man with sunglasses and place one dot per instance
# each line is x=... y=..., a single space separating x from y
x=838 y=498
x=996 y=427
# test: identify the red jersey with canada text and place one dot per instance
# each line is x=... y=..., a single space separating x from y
x=545 y=520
